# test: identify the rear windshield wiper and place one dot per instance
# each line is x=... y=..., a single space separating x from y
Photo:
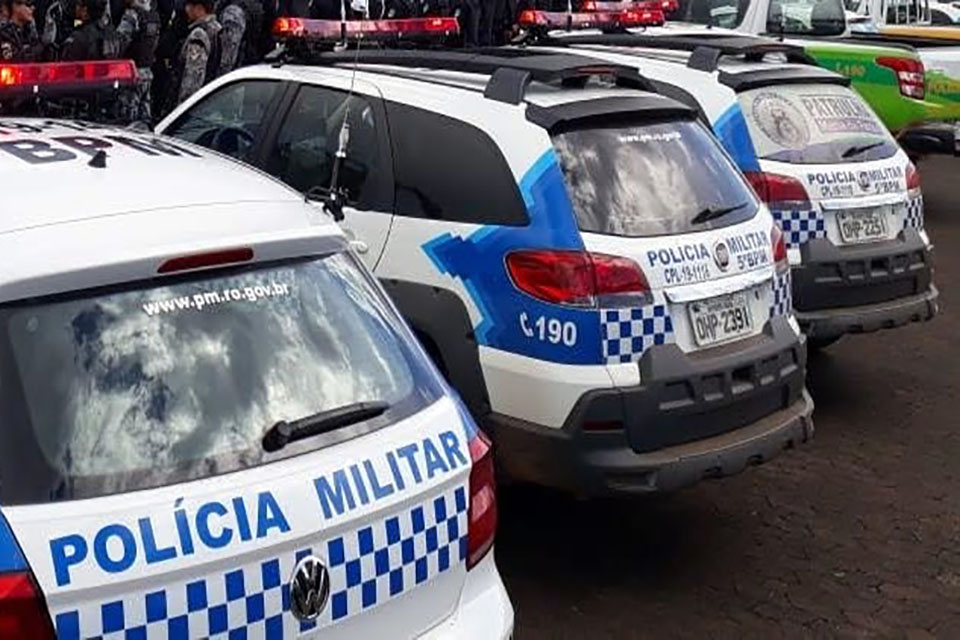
x=856 y=150
x=710 y=213
x=283 y=433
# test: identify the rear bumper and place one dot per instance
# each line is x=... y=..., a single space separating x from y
x=696 y=416
x=830 y=323
x=484 y=611
x=839 y=290
x=941 y=138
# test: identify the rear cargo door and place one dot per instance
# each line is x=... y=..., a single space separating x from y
x=136 y=478
x=666 y=196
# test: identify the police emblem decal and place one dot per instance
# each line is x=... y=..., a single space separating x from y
x=309 y=588
x=721 y=255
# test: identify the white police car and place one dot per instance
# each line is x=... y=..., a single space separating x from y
x=846 y=195
x=582 y=260
x=215 y=423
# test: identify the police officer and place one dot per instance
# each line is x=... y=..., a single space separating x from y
x=94 y=40
x=233 y=22
x=19 y=40
x=199 y=58
x=139 y=33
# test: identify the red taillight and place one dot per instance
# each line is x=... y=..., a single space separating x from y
x=779 y=249
x=913 y=177
x=910 y=75
x=771 y=187
x=206 y=260
x=575 y=278
x=23 y=613
x=483 y=500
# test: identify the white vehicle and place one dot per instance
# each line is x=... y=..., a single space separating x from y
x=845 y=194
x=215 y=423
x=582 y=260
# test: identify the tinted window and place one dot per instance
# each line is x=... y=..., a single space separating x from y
x=308 y=140
x=164 y=382
x=651 y=179
x=230 y=119
x=815 y=124
x=447 y=170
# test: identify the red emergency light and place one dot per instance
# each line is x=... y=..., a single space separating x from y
x=667 y=6
x=334 y=30
x=99 y=73
x=621 y=19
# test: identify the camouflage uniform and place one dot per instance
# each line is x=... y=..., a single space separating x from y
x=57 y=25
x=234 y=23
x=199 y=56
x=92 y=41
x=19 y=44
x=139 y=32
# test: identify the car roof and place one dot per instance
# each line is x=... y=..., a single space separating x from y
x=71 y=220
x=140 y=171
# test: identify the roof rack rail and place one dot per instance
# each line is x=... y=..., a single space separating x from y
x=511 y=71
x=707 y=50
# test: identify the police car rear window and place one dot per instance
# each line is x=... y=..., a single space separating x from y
x=651 y=179
x=814 y=124
x=168 y=381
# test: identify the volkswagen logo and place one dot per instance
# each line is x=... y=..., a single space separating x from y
x=721 y=255
x=309 y=588
x=863 y=178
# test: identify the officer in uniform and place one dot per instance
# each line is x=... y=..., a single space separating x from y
x=94 y=40
x=139 y=33
x=19 y=40
x=199 y=58
x=233 y=22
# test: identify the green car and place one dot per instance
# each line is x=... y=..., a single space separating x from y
x=891 y=81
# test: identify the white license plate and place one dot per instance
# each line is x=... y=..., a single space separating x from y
x=862 y=225
x=720 y=319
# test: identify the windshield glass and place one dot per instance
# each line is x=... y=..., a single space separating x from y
x=124 y=389
x=814 y=124
x=651 y=179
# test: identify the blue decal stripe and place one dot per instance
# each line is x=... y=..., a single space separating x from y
x=11 y=558
x=731 y=128
x=478 y=260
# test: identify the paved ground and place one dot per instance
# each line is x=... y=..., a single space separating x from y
x=854 y=535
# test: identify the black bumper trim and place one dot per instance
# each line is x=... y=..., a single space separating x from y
x=831 y=323
x=832 y=277
x=695 y=406
x=603 y=463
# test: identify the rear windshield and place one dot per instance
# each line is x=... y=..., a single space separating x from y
x=651 y=179
x=789 y=17
x=815 y=124
x=122 y=389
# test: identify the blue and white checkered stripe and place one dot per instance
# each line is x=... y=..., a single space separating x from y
x=368 y=566
x=914 y=217
x=782 y=296
x=800 y=225
x=627 y=333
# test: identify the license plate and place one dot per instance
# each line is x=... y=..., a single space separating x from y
x=865 y=225
x=720 y=319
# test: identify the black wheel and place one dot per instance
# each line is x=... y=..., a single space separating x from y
x=818 y=343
